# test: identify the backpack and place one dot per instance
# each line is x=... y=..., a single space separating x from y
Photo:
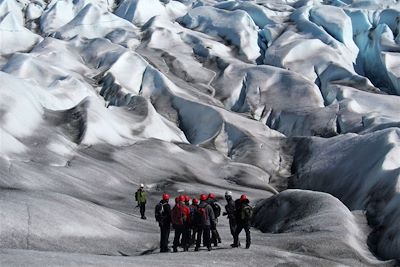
x=140 y=196
x=159 y=212
x=216 y=208
x=202 y=215
x=178 y=216
x=193 y=214
x=246 y=213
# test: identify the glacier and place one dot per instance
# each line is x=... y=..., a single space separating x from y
x=295 y=103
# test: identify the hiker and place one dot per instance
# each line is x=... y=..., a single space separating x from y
x=163 y=217
x=205 y=220
x=230 y=212
x=215 y=238
x=179 y=217
x=193 y=221
x=244 y=213
x=188 y=225
x=140 y=197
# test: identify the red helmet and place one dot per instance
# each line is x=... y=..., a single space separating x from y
x=195 y=201
x=211 y=196
x=165 y=196
x=187 y=198
x=182 y=198
x=176 y=199
x=243 y=198
x=203 y=197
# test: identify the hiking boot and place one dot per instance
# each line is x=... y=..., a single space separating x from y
x=219 y=240
x=234 y=245
x=143 y=217
x=247 y=245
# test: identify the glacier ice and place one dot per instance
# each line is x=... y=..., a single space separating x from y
x=269 y=98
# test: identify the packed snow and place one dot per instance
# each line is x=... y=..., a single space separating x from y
x=295 y=103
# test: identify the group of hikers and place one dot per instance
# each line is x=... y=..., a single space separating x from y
x=196 y=220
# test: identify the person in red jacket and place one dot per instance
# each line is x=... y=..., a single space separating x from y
x=180 y=215
x=188 y=225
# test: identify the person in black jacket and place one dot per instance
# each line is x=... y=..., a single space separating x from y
x=215 y=238
x=163 y=217
x=194 y=220
x=230 y=212
x=244 y=213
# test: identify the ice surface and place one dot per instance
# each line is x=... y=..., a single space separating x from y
x=14 y=36
x=34 y=10
x=385 y=238
x=140 y=11
x=354 y=188
x=199 y=96
x=92 y=16
x=65 y=217
x=323 y=217
x=235 y=27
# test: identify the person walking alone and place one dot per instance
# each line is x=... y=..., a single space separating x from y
x=140 y=197
x=163 y=217
x=243 y=220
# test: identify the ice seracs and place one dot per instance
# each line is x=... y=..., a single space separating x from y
x=15 y=37
x=235 y=27
x=92 y=16
x=140 y=11
x=322 y=217
x=199 y=96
